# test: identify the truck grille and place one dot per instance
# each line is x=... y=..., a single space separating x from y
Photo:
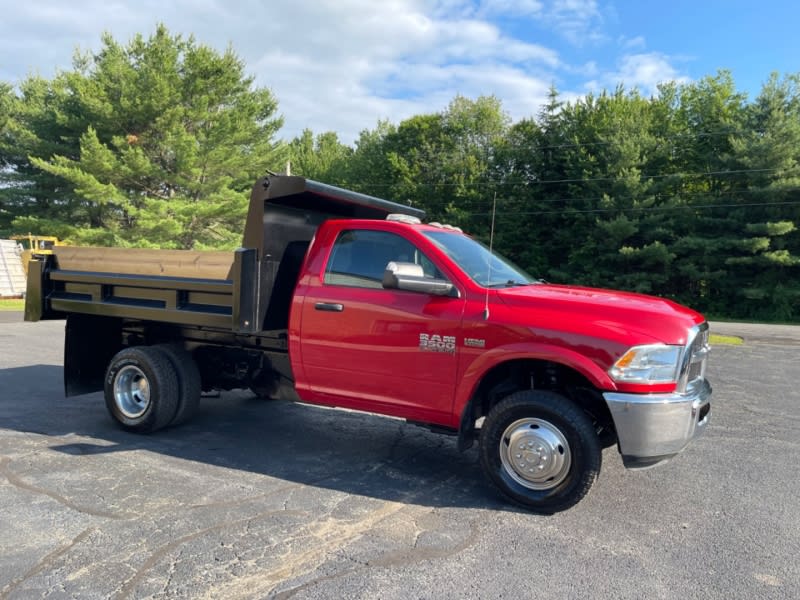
x=693 y=366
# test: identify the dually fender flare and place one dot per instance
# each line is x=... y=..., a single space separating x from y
x=477 y=370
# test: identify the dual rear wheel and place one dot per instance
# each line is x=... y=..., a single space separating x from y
x=149 y=387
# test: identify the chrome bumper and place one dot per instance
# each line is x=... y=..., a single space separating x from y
x=652 y=428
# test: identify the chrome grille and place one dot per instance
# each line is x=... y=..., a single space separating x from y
x=693 y=366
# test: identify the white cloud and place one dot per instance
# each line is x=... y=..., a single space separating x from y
x=334 y=65
x=512 y=7
x=579 y=21
x=588 y=69
x=341 y=65
x=346 y=67
x=642 y=71
x=634 y=43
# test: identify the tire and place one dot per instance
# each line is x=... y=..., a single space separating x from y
x=268 y=387
x=264 y=392
x=558 y=454
x=189 y=382
x=141 y=389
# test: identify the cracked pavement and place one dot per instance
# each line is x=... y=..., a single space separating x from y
x=256 y=499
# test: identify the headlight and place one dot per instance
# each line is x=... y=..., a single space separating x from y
x=647 y=364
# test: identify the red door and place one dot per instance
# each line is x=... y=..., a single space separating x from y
x=370 y=348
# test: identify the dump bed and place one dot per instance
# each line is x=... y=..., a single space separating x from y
x=175 y=286
x=248 y=290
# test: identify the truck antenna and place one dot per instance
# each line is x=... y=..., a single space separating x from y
x=489 y=274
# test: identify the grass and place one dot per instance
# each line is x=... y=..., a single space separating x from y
x=12 y=304
x=725 y=340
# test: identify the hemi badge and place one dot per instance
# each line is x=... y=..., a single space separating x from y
x=474 y=343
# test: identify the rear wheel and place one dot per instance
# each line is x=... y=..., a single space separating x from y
x=141 y=389
x=268 y=387
x=265 y=392
x=189 y=382
x=540 y=450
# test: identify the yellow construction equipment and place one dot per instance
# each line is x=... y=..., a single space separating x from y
x=37 y=244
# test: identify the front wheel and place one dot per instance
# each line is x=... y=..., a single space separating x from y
x=540 y=450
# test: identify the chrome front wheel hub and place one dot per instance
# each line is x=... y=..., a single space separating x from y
x=535 y=453
x=131 y=392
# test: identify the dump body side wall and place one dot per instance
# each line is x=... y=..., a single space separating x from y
x=55 y=291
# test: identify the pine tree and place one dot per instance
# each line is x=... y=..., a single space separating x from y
x=322 y=158
x=164 y=139
x=764 y=265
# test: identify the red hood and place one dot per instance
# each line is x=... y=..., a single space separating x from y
x=605 y=314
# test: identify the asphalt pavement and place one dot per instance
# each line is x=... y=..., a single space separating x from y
x=256 y=499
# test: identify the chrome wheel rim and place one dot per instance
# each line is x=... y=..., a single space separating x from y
x=131 y=392
x=535 y=453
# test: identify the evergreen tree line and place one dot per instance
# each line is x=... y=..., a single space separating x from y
x=692 y=194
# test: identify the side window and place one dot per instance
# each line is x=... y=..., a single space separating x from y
x=359 y=258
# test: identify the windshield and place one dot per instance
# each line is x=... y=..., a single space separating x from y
x=483 y=267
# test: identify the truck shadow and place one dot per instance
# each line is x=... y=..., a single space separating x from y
x=346 y=451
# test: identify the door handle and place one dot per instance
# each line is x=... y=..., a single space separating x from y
x=329 y=306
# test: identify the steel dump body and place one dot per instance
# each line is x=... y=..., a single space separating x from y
x=182 y=287
x=246 y=291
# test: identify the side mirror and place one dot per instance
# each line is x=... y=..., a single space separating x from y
x=410 y=277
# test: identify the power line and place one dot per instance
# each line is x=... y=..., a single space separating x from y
x=660 y=139
x=650 y=177
x=636 y=209
x=529 y=182
x=659 y=196
x=660 y=142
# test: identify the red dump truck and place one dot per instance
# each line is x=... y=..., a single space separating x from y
x=342 y=299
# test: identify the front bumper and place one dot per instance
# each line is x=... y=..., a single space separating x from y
x=652 y=428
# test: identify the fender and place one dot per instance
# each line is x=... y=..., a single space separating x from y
x=475 y=371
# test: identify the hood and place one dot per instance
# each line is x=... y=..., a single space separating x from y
x=600 y=313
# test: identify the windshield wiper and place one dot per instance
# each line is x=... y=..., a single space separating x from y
x=511 y=283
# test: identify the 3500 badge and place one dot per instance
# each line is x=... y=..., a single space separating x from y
x=437 y=343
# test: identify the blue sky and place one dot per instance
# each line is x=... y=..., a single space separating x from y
x=749 y=38
x=342 y=65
